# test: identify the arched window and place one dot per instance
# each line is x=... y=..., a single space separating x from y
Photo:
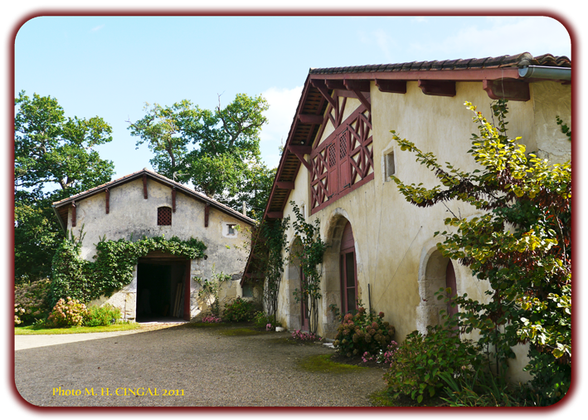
x=164 y=216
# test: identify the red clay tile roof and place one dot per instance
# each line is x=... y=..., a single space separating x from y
x=520 y=60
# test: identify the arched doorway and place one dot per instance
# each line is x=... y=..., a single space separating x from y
x=436 y=272
x=348 y=271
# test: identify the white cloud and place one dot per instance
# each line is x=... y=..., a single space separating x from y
x=499 y=36
x=282 y=107
x=97 y=28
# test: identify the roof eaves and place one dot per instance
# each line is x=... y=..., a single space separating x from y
x=127 y=178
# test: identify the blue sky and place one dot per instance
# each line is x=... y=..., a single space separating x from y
x=111 y=66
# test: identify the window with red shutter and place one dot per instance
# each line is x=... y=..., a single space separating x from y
x=343 y=161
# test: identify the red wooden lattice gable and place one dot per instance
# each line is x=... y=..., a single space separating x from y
x=343 y=161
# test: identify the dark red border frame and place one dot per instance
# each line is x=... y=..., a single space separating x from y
x=563 y=406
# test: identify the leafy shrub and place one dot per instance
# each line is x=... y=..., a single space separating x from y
x=97 y=316
x=263 y=320
x=363 y=333
x=31 y=302
x=67 y=313
x=420 y=362
x=239 y=310
x=551 y=381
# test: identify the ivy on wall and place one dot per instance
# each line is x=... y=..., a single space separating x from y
x=74 y=277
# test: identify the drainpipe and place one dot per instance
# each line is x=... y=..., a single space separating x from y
x=546 y=72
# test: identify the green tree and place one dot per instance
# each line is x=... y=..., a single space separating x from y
x=521 y=245
x=54 y=158
x=218 y=150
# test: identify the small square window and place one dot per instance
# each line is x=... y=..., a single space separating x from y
x=247 y=291
x=164 y=216
x=231 y=229
x=390 y=167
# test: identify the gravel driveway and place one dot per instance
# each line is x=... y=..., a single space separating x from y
x=184 y=366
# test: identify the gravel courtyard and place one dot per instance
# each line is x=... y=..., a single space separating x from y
x=183 y=366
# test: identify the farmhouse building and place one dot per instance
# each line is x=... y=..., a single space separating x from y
x=147 y=204
x=339 y=156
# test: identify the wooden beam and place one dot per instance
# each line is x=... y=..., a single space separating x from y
x=511 y=89
x=206 y=214
x=299 y=152
x=73 y=214
x=285 y=185
x=107 y=191
x=310 y=119
x=335 y=84
x=438 y=87
x=173 y=193
x=358 y=87
x=144 y=186
x=274 y=215
x=391 y=86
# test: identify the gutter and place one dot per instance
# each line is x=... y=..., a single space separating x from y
x=546 y=72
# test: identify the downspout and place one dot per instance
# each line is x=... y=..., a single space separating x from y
x=546 y=72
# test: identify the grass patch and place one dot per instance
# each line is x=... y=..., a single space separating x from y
x=31 y=330
x=240 y=332
x=323 y=364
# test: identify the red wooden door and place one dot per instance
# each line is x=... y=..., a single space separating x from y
x=348 y=272
x=304 y=323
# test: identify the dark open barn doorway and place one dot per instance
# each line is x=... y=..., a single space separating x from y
x=163 y=289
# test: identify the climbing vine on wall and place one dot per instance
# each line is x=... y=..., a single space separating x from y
x=74 y=277
x=310 y=256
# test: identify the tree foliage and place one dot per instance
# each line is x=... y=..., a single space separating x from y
x=521 y=245
x=217 y=150
x=54 y=159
